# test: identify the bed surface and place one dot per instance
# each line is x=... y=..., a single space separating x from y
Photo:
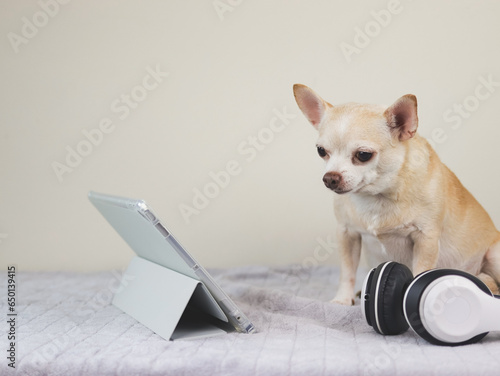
x=67 y=326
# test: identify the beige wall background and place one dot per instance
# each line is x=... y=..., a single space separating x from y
x=153 y=99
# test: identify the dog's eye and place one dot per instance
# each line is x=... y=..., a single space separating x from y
x=364 y=156
x=321 y=151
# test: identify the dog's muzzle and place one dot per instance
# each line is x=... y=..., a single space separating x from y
x=332 y=180
x=335 y=182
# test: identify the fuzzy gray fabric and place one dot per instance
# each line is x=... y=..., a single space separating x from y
x=67 y=326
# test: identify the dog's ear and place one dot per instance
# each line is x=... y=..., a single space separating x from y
x=310 y=103
x=402 y=117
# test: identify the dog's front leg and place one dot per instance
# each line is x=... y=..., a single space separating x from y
x=425 y=251
x=350 y=251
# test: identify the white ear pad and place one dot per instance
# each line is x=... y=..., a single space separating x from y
x=453 y=309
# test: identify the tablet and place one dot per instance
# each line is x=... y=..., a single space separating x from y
x=150 y=239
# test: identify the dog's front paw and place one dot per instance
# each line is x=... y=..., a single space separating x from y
x=343 y=300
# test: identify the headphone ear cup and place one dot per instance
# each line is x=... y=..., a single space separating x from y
x=383 y=300
x=413 y=297
x=391 y=297
x=366 y=302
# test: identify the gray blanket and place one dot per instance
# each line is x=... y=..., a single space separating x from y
x=66 y=326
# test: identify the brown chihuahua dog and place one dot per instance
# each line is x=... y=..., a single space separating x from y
x=390 y=184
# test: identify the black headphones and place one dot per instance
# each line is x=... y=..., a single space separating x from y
x=443 y=306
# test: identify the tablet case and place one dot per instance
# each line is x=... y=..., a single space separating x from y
x=171 y=304
x=171 y=301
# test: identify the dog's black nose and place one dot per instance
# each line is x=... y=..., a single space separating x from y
x=332 y=179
